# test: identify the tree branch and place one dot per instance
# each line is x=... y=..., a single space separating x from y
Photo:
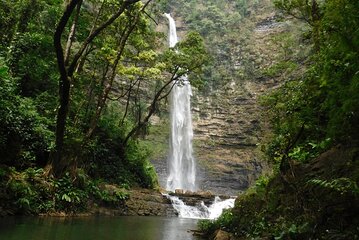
x=71 y=36
x=148 y=15
x=152 y=110
x=96 y=32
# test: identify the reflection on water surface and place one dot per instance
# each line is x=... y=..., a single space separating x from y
x=96 y=228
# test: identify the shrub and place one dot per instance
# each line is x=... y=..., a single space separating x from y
x=24 y=134
x=27 y=191
x=137 y=158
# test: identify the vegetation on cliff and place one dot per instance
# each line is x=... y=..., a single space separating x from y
x=220 y=24
x=313 y=146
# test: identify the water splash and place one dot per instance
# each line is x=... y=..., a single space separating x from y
x=201 y=211
x=181 y=163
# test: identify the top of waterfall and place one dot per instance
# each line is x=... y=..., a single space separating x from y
x=172 y=37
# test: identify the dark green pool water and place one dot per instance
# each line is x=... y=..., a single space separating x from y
x=96 y=228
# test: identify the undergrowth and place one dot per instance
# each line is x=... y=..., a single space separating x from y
x=31 y=192
x=315 y=200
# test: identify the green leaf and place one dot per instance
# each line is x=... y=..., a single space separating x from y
x=66 y=198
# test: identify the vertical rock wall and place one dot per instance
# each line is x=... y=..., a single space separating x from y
x=229 y=122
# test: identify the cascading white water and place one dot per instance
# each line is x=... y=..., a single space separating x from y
x=181 y=164
x=201 y=211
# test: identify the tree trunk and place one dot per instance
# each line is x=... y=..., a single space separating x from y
x=315 y=15
x=57 y=166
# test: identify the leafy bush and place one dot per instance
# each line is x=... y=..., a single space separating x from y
x=292 y=231
x=279 y=68
x=137 y=158
x=224 y=222
x=74 y=193
x=28 y=191
x=33 y=63
x=68 y=197
x=207 y=226
x=116 y=196
x=24 y=134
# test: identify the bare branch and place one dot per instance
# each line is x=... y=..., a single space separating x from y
x=127 y=103
x=169 y=91
x=148 y=15
x=71 y=36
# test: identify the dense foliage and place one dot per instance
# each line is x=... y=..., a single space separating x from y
x=79 y=83
x=320 y=108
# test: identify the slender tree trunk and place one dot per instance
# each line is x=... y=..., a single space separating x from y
x=129 y=94
x=123 y=41
x=87 y=51
x=64 y=92
x=92 y=36
x=315 y=15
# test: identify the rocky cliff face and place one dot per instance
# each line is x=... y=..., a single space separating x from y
x=228 y=121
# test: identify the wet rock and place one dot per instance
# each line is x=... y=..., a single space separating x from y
x=222 y=235
x=179 y=191
x=141 y=202
x=144 y=202
x=196 y=198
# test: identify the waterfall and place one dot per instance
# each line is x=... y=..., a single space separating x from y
x=181 y=164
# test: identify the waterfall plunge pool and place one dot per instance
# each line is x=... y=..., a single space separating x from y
x=94 y=228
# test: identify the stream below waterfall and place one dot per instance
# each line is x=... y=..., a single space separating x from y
x=95 y=228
